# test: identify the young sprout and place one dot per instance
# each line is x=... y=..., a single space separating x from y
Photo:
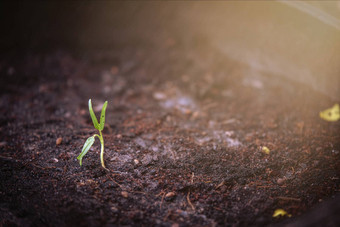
x=89 y=142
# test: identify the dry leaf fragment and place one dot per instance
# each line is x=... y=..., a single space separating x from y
x=265 y=150
x=331 y=114
x=280 y=213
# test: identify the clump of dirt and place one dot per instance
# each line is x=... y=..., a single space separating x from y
x=184 y=133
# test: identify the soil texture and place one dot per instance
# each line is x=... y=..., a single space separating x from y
x=185 y=139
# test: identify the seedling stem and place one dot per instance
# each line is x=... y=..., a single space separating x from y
x=89 y=142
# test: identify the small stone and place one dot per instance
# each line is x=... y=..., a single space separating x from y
x=119 y=136
x=280 y=181
x=67 y=115
x=136 y=161
x=58 y=141
x=53 y=160
x=170 y=194
x=335 y=152
x=159 y=96
x=31 y=147
x=187 y=111
x=195 y=115
x=114 y=209
x=265 y=150
x=124 y=194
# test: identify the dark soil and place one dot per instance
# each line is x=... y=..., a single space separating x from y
x=184 y=132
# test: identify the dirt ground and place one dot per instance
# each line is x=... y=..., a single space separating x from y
x=185 y=128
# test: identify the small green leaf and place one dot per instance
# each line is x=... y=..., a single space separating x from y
x=86 y=148
x=102 y=117
x=93 y=116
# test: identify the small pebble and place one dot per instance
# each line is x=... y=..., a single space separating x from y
x=3 y=143
x=195 y=114
x=335 y=152
x=159 y=96
x=187 y=111
x=124 y=194
x=265 y=150
x=58 y=141
x=280 y=181
x=53 y=160
x=136 y=161
x=170 y=194
x=114 y=209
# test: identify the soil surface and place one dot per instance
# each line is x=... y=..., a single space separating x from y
x=184 y=139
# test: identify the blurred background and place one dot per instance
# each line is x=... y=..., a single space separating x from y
x=292 y=39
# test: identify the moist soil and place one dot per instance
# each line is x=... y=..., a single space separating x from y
x=184 y=136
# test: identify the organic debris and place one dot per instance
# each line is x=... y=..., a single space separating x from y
x=280 y=213
x=331 y=114
x=265 y=150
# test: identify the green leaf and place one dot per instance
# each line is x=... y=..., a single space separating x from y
x=93 y=116
x=102 y=117
x=86 y=148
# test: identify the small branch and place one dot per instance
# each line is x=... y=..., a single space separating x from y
x=189 y=202
x=9 y=158
x=289 y=198
x=121 y=187
x=188 y=195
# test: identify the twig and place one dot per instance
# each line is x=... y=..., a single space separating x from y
x=264 y=186
x=220 y=185
x=189 y=202
x=8 y=158
x=188 y=195
x=116 y=183
x=288 y=198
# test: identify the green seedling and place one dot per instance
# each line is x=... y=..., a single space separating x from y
x=89 y=142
